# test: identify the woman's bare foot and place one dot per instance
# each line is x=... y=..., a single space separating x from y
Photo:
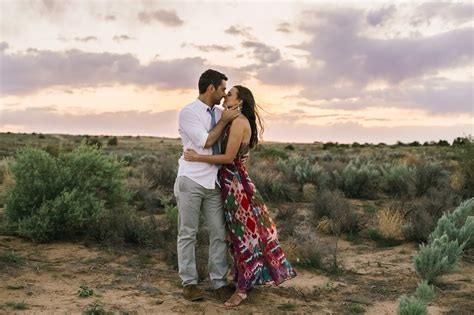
x=236 y=298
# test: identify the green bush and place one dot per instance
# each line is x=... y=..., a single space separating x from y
x=425 y=292
x=411 y=306
x=398 y=180
x=360 y=179
x=303 y=170
x=457 y=225
x=437 y=258
x=64 y=197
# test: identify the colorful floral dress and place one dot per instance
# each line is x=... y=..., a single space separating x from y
x=258 y=257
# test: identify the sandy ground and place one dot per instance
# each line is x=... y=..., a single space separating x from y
x=139 y=282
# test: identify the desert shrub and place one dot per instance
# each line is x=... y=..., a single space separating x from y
x=143 y=195
x=437 y=258
x=425 y=292
x=303 y=170
x=52 y=149
x=128 y=158
x=460 y=141
x=272 y=184
x=36 y=176
x=466 y=163
x=112 y=141
x=121 y=225
x=457 y=225
x=398 y=180
x=314 y=174
x=306 y=251
x=160 y=170
x=93 y=141
x=430 y=175
x=423 y=213
x=270 y=153
x=329 y=145
x=66 y=197
x=333 y=205
x=288 y=220
x=443 y=143
x=360 y=179
x=309 y=192
x=411 y=306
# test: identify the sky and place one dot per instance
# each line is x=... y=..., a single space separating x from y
x=320 y=71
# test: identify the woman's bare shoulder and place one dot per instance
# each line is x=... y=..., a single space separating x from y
x=243 y=120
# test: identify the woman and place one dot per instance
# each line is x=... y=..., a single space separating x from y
x=258 y=258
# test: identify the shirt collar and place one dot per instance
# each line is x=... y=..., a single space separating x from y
x=204 y=106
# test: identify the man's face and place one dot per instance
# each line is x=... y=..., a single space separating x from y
x=219 y=93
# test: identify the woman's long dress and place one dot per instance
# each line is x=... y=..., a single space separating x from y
x=258 y=257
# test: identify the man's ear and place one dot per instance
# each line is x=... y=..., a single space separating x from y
x=211 y=88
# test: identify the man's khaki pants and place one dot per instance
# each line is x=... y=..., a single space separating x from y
x=192 y=198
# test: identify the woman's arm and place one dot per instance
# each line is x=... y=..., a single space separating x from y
x=233 y=145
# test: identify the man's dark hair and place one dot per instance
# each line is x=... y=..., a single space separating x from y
x=210 y=77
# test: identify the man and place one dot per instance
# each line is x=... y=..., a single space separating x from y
x=196 y=188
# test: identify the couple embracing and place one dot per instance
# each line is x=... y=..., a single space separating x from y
x=213 y=179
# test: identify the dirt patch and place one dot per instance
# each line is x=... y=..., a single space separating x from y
x=131 y=281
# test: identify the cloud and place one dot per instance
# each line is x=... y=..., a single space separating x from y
x=456 y=13
x=51 y=7
x=263 y=53
x=337 y=53
x=239 y=31
x=122 y=38
x=284 y=28
x=434 y=95
x=380 y=16
x=342 y=63
x=109 y=17
x=48 y=120
x=209 y=48
x=76 y=68
x=85 y=39
x=168 y=18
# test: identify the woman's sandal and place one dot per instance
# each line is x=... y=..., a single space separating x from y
x=235 y=299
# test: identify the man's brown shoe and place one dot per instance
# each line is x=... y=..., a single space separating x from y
x=192 y=293
x=225 y=292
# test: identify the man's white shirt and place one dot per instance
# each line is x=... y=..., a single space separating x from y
x=194 y=124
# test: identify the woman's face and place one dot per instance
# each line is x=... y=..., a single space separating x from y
x=231 y=100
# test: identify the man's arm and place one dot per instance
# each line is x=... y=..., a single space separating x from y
x=228 y=115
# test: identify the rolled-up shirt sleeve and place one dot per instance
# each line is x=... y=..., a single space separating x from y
x=191 y=125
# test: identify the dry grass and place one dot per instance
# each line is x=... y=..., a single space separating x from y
x=410 y=159
x=325 y=226
x=309 y=192
x=389 y=224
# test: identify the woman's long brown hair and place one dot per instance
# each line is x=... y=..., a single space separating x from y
x=249 y=110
